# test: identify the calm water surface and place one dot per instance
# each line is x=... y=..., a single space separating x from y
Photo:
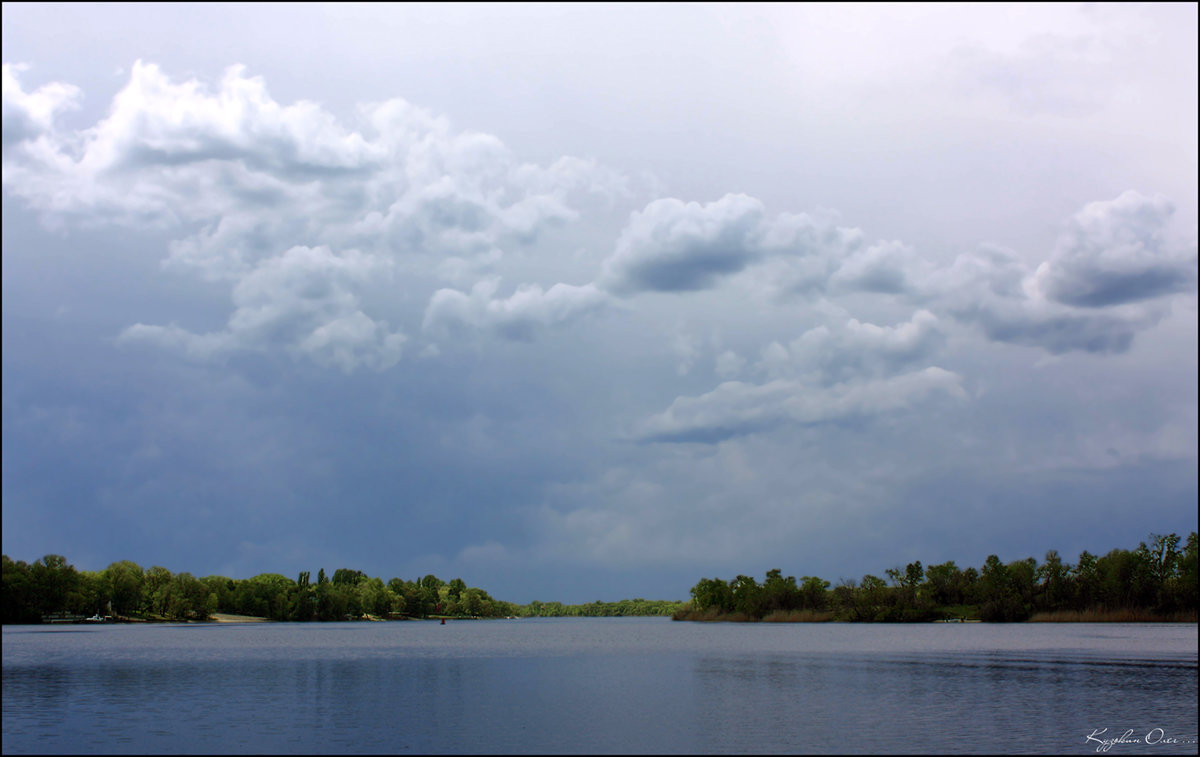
x=601 y=685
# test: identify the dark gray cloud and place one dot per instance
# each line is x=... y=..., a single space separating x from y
x=1117 y=252
x=993 y=289
x=672 y=246
x=1057 y=332
x=676 y=246
x=882 y=268
x=303 y=302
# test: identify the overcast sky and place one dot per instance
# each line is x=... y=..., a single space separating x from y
x=591 y=302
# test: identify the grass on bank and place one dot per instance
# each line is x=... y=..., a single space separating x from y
x=1098 y=615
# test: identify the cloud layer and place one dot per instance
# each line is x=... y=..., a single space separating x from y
x=298 y=212
x=815 y=301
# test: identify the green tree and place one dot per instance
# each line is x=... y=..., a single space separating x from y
x=277 y=593
x=125 y=581
x=814 y=590
x=91 y=596
x=1023 y=575
x=223 y=589
x=406 y=596
x=20 y=600
x=970 y=585
x=944 y=583
x=779 y=593
x=712 y=593
x=844 y=600
x=374 y=597
x=1125 y=578
x=1187 y=580
x=54 y=581
x=873 y=597
x=1001 y=601
x=747 y=596
x=347 y=576
x=1086 y=578
x=425 y=600
x=1164 y=558
x=1054 y=581
x=399 y=603
x=185 y=598
x=914 y=574
x=154 y=590
x=470 y=602
x=896 y=576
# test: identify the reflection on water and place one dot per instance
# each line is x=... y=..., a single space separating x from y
x=595 y=686
x=876 y=703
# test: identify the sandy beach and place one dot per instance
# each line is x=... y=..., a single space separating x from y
x=221 y=617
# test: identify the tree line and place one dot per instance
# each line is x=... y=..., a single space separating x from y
x=124 y=589
x=51 y=586
x=600 y=609
x=1158 y=580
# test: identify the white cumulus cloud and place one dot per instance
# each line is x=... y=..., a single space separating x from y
x=29 y=115
x=737 y=408
x=259 y=195
x=519 y=316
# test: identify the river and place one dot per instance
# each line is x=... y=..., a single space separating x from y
x=600 y=685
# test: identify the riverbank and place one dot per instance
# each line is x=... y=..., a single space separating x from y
x=712 y=615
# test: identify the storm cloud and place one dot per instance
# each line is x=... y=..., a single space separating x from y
x=473 y=300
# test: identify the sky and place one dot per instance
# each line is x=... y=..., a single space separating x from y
x=586 y=303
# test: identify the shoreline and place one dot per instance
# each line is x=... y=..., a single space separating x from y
x=1061 y=616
